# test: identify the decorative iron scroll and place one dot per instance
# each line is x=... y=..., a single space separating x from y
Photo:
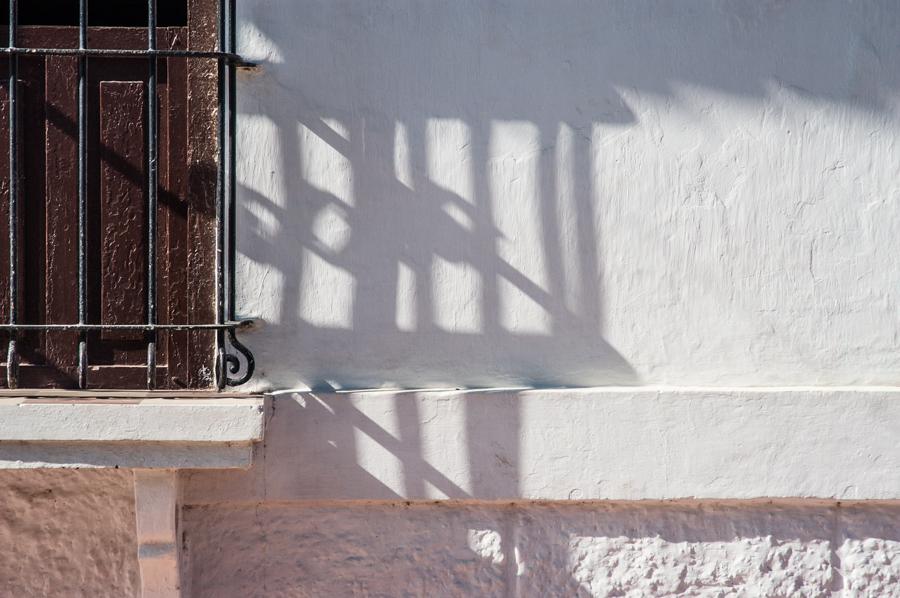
x=231 y=369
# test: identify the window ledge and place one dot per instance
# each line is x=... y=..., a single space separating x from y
x=129 y=430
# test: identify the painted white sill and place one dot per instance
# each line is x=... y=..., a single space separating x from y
x=129 y=430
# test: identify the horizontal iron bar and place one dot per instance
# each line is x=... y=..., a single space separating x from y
x=121 y=53
x=241 y=325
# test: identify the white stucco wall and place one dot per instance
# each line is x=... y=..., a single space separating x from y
x=571 y=193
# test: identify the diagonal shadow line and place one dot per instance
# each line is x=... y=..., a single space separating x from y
x=134 y=175
x=428 y=473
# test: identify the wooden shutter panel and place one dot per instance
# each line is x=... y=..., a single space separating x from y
x=117 y=206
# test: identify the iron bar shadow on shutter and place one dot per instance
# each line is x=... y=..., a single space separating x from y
x=100 y=327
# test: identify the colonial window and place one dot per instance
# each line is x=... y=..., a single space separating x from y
x=117 y=195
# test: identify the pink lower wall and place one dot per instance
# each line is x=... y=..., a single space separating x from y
x=531 y=549
x=67 y=533
x=71 y=533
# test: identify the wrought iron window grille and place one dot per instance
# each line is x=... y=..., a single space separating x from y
x=233 y=362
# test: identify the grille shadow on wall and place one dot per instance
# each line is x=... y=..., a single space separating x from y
x=118 y=195
x=395 y=267
x=425 y=187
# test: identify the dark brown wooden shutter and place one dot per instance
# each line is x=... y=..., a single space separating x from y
x=117 y=205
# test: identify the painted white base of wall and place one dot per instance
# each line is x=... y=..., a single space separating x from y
x=640 y=443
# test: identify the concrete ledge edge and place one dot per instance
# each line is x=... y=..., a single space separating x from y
x=122 y=455
x=217 y=421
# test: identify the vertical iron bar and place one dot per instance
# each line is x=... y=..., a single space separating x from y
x=152 y=190
x=232 y=162
x=221 y=366
x=12 y=359
x=230 y=25
x=82 y=193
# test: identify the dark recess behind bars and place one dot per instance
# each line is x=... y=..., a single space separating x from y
x=101 y=13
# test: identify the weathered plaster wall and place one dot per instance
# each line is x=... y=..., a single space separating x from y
x=478 y=193
x=67 y=534
x=578 y=549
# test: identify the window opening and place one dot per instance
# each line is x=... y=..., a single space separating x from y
x=101 y=13
x=99 y=137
